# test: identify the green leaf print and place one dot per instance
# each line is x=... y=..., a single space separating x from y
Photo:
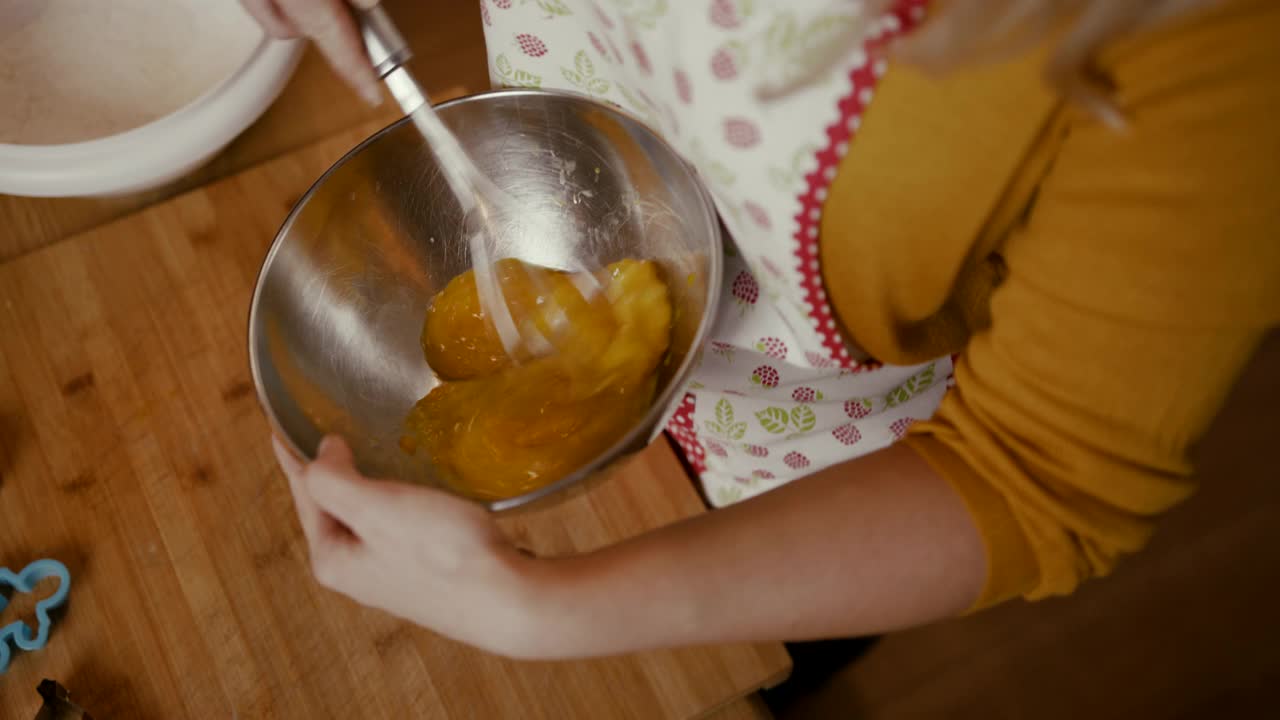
x=803 y=418
x=583 y=64
x=802 y=156
x=781 y=35
x=635 y=103
x=724 y=412
x=713 y=168
x=554 y=7
x=780 y=179
x=724 y=425
x=727 y=495
x=896 y=397
x=913 y=386
x=583 y=75
x=524 y=78
x=773 y=420
x=645 y=13
x=511 y=77
x=821 y=36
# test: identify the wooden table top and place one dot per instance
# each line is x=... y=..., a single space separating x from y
x=132 y=449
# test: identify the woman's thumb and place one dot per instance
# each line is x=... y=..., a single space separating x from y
x=337 y=486
x=333 y=450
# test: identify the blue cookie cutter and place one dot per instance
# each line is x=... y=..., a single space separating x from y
x=25 y=582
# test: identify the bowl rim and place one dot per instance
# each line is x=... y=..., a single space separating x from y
x=76 y=168
x=633 y=438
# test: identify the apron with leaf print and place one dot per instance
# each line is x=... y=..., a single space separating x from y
x=778 y=393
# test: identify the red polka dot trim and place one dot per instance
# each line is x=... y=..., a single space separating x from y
x=907 y=14
x=681 y=429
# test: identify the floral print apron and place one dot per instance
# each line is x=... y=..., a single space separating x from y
x=778 y=393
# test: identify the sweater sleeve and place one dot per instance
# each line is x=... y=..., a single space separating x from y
x=1142 y=279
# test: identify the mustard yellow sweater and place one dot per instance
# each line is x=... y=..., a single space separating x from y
x=1103 y=288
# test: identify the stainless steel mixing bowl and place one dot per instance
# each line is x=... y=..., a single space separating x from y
x=338 y=309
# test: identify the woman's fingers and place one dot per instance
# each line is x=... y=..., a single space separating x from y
x=339 y=490
x=273 y=22
x=309 y=515
x=291 y=464
x=330 y=24
x=331 y=545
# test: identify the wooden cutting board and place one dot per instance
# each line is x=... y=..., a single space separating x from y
x=132 y=449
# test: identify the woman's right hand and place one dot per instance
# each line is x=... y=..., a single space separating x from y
x=330 y=25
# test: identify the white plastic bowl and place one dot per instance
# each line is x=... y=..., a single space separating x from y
x=160 y=151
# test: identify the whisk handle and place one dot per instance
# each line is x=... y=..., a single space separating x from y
x=386 y=46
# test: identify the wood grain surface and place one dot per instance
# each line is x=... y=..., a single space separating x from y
x=448 y=42
x=747 y=708
x=132 y=448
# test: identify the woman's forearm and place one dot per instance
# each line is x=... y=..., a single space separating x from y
x=874 y=544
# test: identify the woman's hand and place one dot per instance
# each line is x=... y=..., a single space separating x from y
x=330 y=25
x=424 y=555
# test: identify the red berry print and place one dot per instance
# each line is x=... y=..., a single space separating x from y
x=899 y=427
x=715 y=448
x=796 y=461
x=604 y=19
x=504 y=4
x=684 y=88
x=805 y=395
x=642 y=58
x=857 y=409
x=819 y=360
x=745 y=289
x=847 y=434
x=484 y=13
x=766 y=376
x=757 y=451
x=531 y=45
x=763 y=475
x=773 y=347
x=741 y=133
x=598 y=45
x=724 y=350
x=724 y=13
x=724 y=64
x=757 y=215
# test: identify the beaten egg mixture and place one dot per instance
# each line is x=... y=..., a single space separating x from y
x=497 y=426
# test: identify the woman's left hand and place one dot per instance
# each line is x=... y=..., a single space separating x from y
x=419 y=553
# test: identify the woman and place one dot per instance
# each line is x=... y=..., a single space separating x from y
x=1086 y=222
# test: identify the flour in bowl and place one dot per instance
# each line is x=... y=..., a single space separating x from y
x=76 y=70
